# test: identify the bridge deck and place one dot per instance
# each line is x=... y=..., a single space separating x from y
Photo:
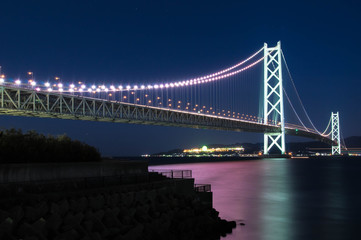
x=31 y=103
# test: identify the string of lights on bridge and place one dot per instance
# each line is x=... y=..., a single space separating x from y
x=131 y=90
x=81 y=87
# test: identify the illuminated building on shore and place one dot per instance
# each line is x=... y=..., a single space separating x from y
x=217 y=150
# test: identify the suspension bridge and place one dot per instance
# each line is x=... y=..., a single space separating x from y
x=221 y=100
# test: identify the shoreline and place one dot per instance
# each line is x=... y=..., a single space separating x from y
x=153 y=161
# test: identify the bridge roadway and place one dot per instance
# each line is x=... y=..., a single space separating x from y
x=31 y=103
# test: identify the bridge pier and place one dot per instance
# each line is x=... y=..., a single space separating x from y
x=273 y=97
x=335 y=132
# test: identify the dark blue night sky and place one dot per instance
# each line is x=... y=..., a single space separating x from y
x=149 y=41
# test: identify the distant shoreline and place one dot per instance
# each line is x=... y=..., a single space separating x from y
x=152 y=161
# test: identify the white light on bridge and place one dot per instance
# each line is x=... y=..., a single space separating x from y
x=94 y=87
x=72 y=86
x=47 y=84
x=2 y=80
x=18 y=82
x=60 y=85
x=33 y=83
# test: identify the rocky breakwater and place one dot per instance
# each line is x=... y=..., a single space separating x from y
x=158 y=208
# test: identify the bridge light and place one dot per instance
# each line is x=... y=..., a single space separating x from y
x=60 y=85
x=161 y=86
x=2 y=80
x=89 y=90
x=112 y=87
x=120 y=87
x=60 y=90
x=156 y=86
x=167 y=85
x=18 y=82
x=47 y=84
x=71 y=90
x=102 y=87
x=142 y=87
x=50 y=89
x=83 y=86
x=80 y=90
x=135 y=87
x=72 y=85
x=37 y=89
x=94 y=87
x=33 y=83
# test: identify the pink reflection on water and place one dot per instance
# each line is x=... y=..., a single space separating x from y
x=235 y=187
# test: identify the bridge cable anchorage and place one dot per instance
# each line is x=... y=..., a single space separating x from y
x=298 y=96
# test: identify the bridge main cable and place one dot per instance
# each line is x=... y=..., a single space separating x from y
x=72 y=88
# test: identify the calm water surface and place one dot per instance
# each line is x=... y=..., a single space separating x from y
x=285 y=198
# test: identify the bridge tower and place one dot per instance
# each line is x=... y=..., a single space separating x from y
x=273 y=97
x=335 y=132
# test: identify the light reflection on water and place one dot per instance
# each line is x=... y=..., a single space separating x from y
x=285 y=198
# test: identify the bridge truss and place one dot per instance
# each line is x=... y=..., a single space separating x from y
x=31 y=100
x=32 y=103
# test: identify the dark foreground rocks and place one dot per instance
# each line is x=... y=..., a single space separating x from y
x=146 y=211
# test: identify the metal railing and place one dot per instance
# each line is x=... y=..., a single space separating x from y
x=173 y=173
x=202 y=187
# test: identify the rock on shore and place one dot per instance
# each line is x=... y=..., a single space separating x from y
x=140 y=213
